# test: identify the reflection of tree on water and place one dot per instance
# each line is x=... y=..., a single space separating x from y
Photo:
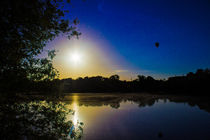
x=38 y=119
x=114 y=100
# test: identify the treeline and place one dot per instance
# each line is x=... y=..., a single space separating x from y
x=197 y=83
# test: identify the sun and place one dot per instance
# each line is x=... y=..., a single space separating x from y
x=75 y=57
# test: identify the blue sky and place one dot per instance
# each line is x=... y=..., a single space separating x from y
x=182 y=27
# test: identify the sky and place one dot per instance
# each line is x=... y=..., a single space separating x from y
x=118 y=37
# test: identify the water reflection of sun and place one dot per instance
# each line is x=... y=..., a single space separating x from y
x=75 y=108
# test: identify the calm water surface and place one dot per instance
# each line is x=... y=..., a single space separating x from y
x=146 y=117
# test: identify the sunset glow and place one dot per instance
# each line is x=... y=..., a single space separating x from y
x=86 y=57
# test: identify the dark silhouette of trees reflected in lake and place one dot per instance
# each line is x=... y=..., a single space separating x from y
x=114 y=100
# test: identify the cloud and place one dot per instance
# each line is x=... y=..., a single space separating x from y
x=121 y=71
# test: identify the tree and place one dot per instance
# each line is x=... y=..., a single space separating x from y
x=114 y=77
x=26 y=27
x=149 y=78
x=141 y=78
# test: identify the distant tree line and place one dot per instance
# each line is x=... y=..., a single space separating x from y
x=197 y=83
x=193 y=83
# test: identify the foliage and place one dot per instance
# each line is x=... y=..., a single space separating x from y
x=26 y=27
x=42 y=69
x=38 y=119
x=114 y=77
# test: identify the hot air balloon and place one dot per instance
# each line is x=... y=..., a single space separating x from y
x=157 y=44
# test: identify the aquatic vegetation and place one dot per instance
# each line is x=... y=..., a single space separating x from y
x=38 y=119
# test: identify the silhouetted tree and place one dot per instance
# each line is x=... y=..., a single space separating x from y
x=26 y=27
x=114 y=77
x=141 y=78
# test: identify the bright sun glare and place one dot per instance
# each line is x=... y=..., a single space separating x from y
x=75 y=58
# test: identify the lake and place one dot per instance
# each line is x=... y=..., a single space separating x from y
x=141 y=116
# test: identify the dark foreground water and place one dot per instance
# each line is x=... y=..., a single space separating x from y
x=145 y=117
